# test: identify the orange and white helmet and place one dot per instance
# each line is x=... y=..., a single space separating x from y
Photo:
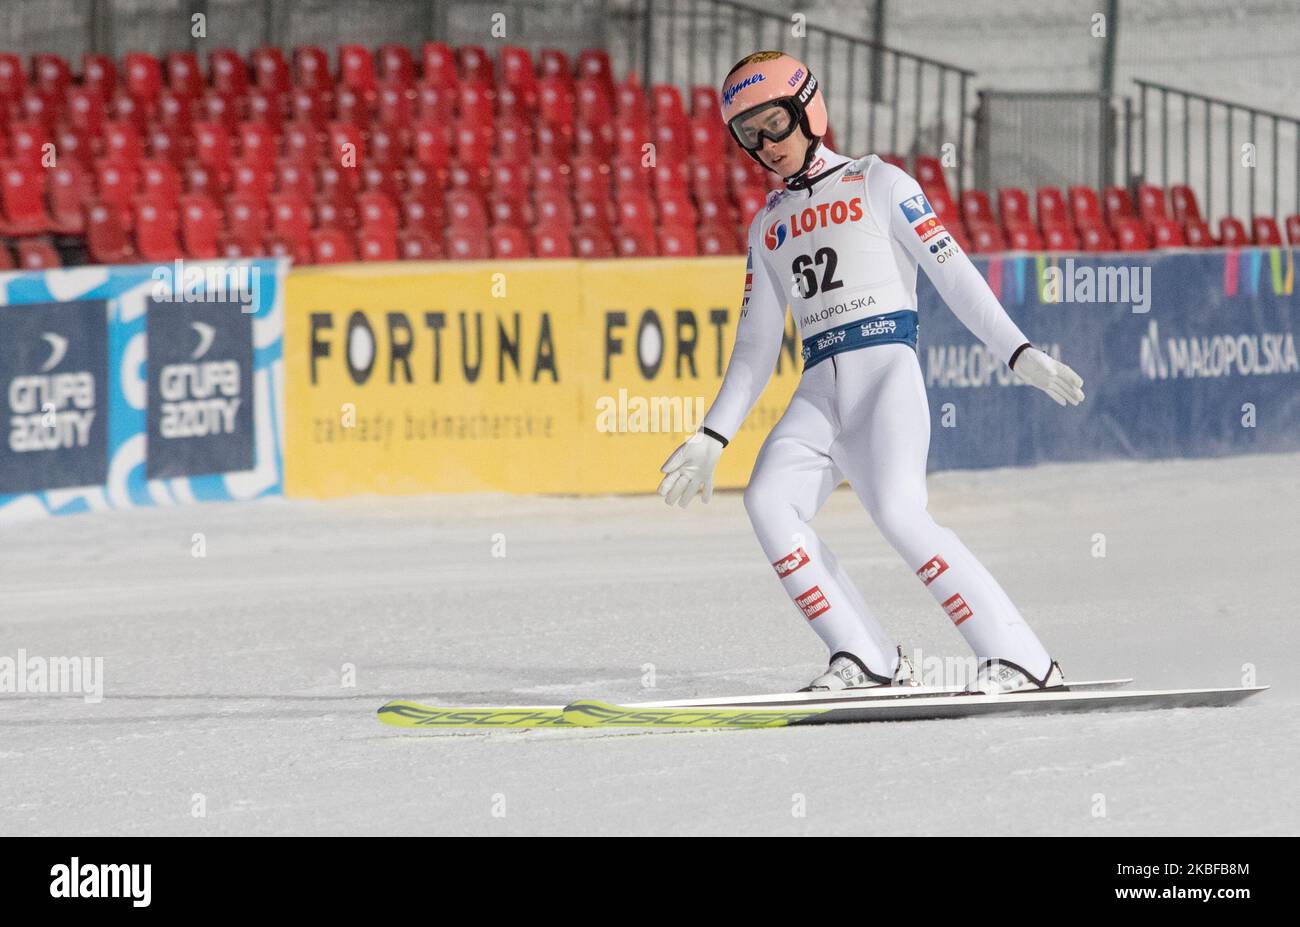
x=775 y=85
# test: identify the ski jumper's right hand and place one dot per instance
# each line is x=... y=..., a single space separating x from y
x=690 y=470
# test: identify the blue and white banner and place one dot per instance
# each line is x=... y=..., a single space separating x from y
x=140 y=385
x=1182 y=354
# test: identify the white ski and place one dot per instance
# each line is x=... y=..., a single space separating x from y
x=853 y=695
x=604 y=714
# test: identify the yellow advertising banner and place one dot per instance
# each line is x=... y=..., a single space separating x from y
x=523 y=377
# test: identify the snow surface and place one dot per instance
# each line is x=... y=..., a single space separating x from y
x=223 y=673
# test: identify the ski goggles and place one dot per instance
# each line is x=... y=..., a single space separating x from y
x=774 y=120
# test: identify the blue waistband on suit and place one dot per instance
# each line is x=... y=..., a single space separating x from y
x=879 y=329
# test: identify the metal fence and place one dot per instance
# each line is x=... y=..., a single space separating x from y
x=880 y=99
x=1028 y=139
x=1240 y=160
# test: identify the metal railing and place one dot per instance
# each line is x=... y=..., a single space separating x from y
x=1035 y=139
x=1240 y=160
x=880 y=99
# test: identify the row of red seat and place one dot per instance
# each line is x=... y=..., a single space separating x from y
x=1081 y=221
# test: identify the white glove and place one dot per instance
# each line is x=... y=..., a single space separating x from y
x=689 y=469
x=1051 y=376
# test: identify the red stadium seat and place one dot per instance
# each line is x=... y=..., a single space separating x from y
x=986 y=237
x=270 y=70
x=976 y=209
x=1052 y=213
x=1293 y=229
x=377 y=244
x=396 y=105
x=466 y=210
x=1013 y=207
x=1151 y=203
x=312 y=68
x=116 y=185
x=677 y=211
x=212 y=147
x=1060 y=238
x=593 y=242
x=396 y=66
x=356 y=68
x=160 y=177
x=52 y=75
x=183 y=74
x=749 y=202
x=1265 y=231
x=552 y=241
x=594 y=62
x=1184 y=205
x=678 y=241
x=509 y=241
x=719 y=238
x=418 y=246
x=85 y=110
x=22 y=207
x=331 y=246
x=1024 y=238
x=704 y=102
x=98 y=75
x=1085 y=207
x=143 y=77
x=377 y=212
x=199 y=226
x=333 y=212
x=554 y=63
x=1232 y=234
x=635 y=242
x=475 y=65
x=105 y=237
x=70 y=186
x=1131 y=235
x=1119 y=205
x=463 y=246
x=257 y=143
x=1096 y=237
x=246 y=221
x=422 y=213
x=28 y=141
x=13 y=76
x=438 y=64
x=37 y=254
x=228 y=73
x=291 y=220
x=6 y=257
x=1198 y=235
x=1166 y=233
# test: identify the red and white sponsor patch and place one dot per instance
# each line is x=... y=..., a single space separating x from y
x=957 y=609
x=791 y=562
x=932 y=570
x=928 y=228
x=812 y=602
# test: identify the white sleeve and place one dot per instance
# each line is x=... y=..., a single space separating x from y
x=913 y=224
x=758 y=342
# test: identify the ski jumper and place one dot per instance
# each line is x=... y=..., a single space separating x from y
x=843 y=254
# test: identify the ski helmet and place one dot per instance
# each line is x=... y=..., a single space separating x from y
x=772 y=80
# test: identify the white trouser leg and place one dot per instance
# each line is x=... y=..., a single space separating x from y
x=881 y=448
x=792 y=478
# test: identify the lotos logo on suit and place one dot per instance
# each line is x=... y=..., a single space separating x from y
x=775 y=235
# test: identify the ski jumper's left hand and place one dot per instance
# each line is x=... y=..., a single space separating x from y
x=1051 y=376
